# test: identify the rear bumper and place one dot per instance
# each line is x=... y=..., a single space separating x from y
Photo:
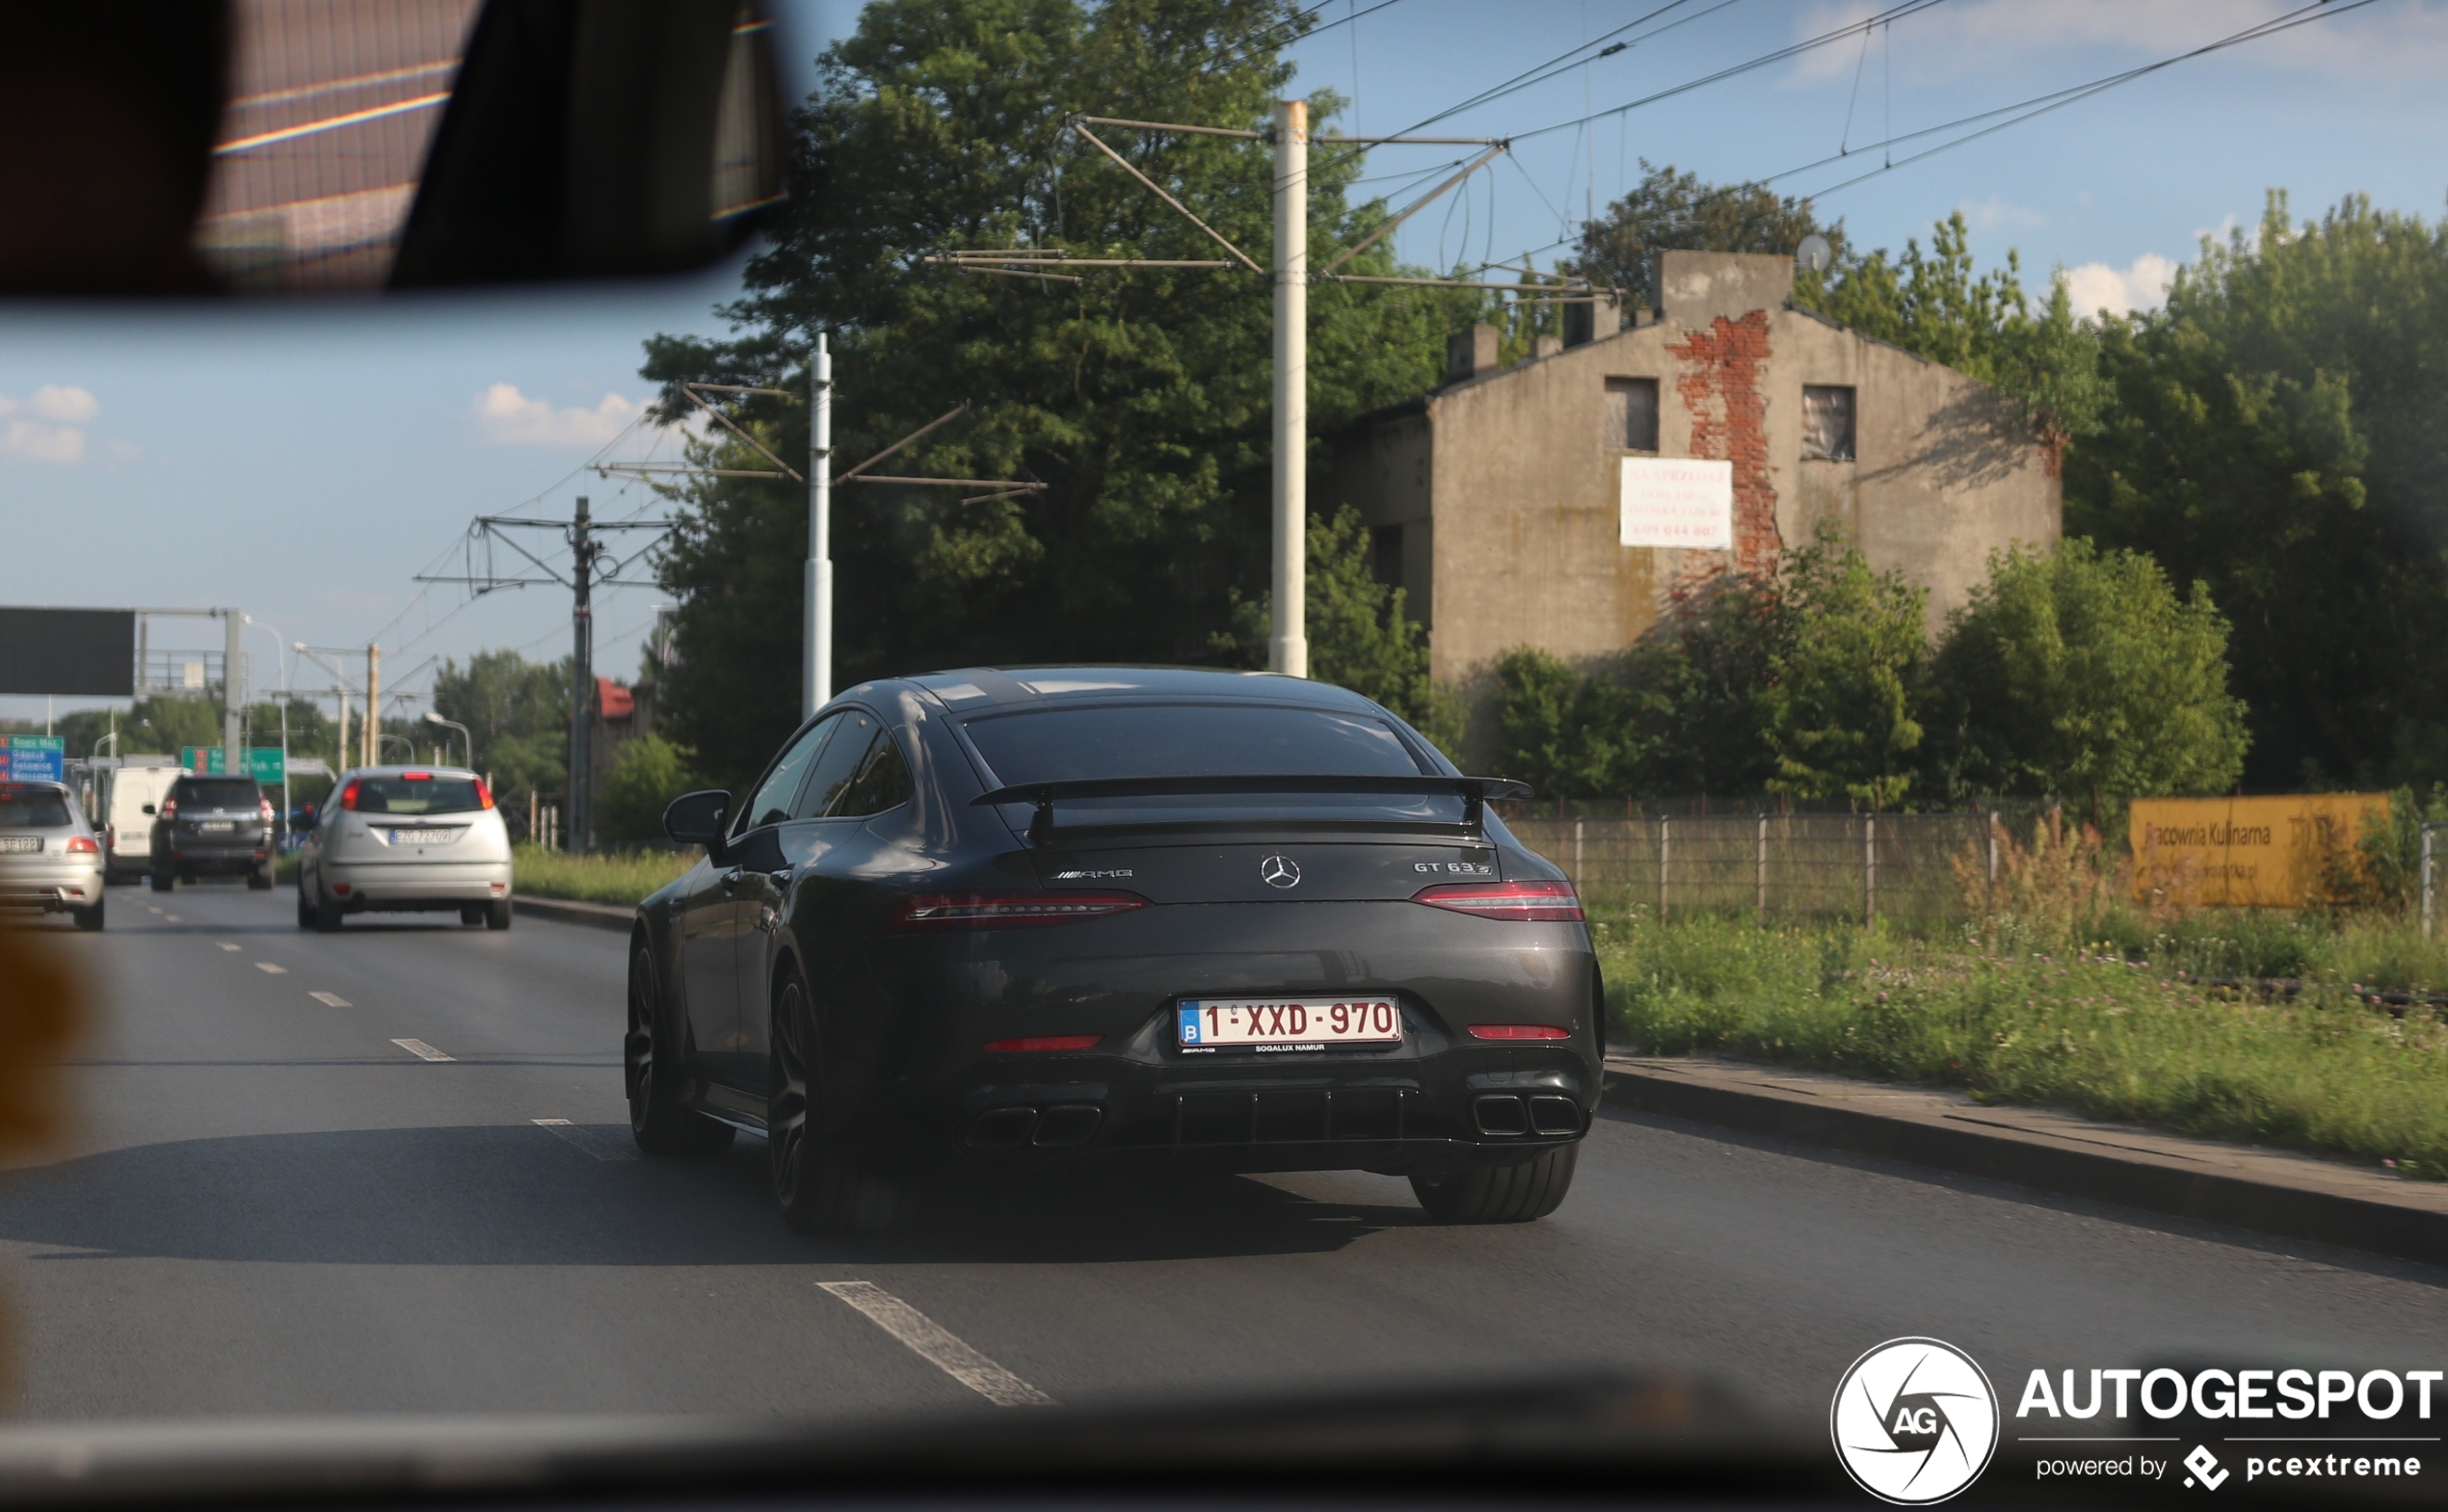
x=217 y=858
x=49 y=890
x=408 y=886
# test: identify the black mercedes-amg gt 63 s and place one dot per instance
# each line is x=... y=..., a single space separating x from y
x=1198 y=920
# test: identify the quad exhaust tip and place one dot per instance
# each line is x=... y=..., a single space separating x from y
x=1501 y=1115
x=1062 y=1126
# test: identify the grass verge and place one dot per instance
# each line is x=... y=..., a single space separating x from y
x=620 y=878
x=2109 y=1037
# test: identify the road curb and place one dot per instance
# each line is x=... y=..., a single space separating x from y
x=2161 y=1184
x=566 y=910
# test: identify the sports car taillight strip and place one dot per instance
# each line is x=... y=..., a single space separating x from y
x=1519 y=1031
x=1041 y=1043
x=1010 y=910
x=1523 y=902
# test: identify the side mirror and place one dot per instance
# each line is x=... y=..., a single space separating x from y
x=148 y=808
x=697 y=818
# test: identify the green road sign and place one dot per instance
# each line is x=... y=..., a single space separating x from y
x=264 y=763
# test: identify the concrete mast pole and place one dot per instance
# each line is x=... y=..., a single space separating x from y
x=369 y=730
x=233 y=692
x=1288 y=653
x=816 y=659
x=581 y=684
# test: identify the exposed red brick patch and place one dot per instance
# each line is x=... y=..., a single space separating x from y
x=1719 y=385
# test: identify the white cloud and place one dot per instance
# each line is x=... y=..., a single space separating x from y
x=509 y=419
x=2096 y=286
x=45 y=428
x=1997 y=213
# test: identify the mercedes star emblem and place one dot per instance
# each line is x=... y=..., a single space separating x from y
x=1279 y=871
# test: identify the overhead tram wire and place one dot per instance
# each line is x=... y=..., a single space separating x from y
x=2043 y=104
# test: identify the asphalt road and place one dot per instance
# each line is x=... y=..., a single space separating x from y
x=271 y=1206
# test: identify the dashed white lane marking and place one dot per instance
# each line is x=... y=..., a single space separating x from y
x=225 y=944
x=420 y=1049
x=274 y=967
x=937 y=1346
x=586 y=1139
x=169 y=918
x=149 y=908
x=330 y=1000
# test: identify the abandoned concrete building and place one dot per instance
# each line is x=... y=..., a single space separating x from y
x=1568 y=501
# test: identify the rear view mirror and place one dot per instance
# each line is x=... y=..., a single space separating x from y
x=318 y=148
x=697 y=818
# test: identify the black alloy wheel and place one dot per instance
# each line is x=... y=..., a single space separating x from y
x=650 y=1063
x=818 y=1186
x=1515 y=1193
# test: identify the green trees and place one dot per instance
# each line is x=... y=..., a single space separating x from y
x=1140 y=398
x=1668 y=211
x=517 y=713
x=647 y=774
x=2275 y=434
x=1844 y=679
x=2081 y=671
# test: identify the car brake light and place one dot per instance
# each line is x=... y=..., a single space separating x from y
x=484 y=794
x=1009 y=910
x=1522 y=902
x=348 y=796
x=341 y=889
x=81 y=845
x=1034 y=1044
x=264 y=810
x=169 y=807
x=417 y=777
x=1519 y=1031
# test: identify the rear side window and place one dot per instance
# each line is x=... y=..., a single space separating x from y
x=229 y=794
x=416 y=795
x=842 y=760
x=770 y=804
x=33 y=808
x=883 y=782
x=1186 y=740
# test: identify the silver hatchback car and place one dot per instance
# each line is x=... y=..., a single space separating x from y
x=420 y=839
x=49 y=861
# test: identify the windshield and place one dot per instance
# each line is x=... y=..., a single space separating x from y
x=417 y=794
x=1186 y=740
x=33 y=808
x=1965 y=599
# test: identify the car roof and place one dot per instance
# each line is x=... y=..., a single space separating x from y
x=427 y=767
x=976 y=689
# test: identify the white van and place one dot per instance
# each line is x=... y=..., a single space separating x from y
x=123 y=816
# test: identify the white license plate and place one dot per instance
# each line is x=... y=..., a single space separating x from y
x=1264 y=1022
x=218 y=826
x=18 y=844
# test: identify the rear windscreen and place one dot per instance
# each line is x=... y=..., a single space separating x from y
x=228 y=795
x=33 y=808
x=1186 y=740
x=417 y=795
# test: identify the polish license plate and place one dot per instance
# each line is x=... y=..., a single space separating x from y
x=19 y=845
x=1287 y=1023
x=433 y=837
x=218 y=826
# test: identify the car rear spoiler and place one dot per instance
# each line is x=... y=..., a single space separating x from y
x=1474 y=791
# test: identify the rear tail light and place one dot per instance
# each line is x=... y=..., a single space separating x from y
x=264 y=810
x=1523 y=902
x=1519 y=1031
x=83 y=845
x=169 y=807
x=484 y=794
x=341 y=889
x=348 y=796
x=1038 y=1044
x=1010 y=910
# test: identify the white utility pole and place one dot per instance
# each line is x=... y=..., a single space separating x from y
x=1289 y=652
x=233 y=692
x=816 y=659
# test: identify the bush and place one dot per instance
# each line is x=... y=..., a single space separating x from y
x=647 y=774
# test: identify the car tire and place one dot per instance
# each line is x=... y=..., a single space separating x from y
x=306 y=911
x=660 y=1123
x=1516 y=1193
x=259 y=880
x=327 y=916
x=87 y=919
x=473 y=914
x=161 y=881
x=498 y=913
x=819 y=1186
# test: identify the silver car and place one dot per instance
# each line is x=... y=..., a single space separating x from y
x=49 y=861
x=420 y=839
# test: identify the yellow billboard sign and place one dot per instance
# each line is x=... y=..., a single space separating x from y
x=2246 y=852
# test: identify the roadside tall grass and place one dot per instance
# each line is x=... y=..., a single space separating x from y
x=622 y=878
x=2100 y=1034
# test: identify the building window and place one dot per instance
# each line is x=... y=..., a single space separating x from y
x=1827 y=422
x=1632 y=414
x=1385 y=546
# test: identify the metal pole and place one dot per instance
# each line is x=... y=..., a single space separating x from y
x=1869 y=869
x=816 y=683
x=369 y=730
x=1664 y=824
x=2427 y=880
x=1759 y=870
x=1289 y=652
x=233 y=692
x=1579 y=874
x=581 y=680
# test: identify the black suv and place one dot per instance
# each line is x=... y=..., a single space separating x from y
x=209 y=825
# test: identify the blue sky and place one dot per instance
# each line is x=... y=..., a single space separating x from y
x=304 y=463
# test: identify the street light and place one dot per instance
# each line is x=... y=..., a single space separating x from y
x=434 y=717
x=278 y=646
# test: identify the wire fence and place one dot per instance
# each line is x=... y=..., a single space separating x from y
x=1784 y=866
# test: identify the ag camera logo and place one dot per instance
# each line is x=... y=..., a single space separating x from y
x=1914 y=1422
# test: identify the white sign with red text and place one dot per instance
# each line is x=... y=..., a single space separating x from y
x=1678 y=502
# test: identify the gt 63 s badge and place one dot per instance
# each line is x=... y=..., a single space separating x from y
x=1915 y=1421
